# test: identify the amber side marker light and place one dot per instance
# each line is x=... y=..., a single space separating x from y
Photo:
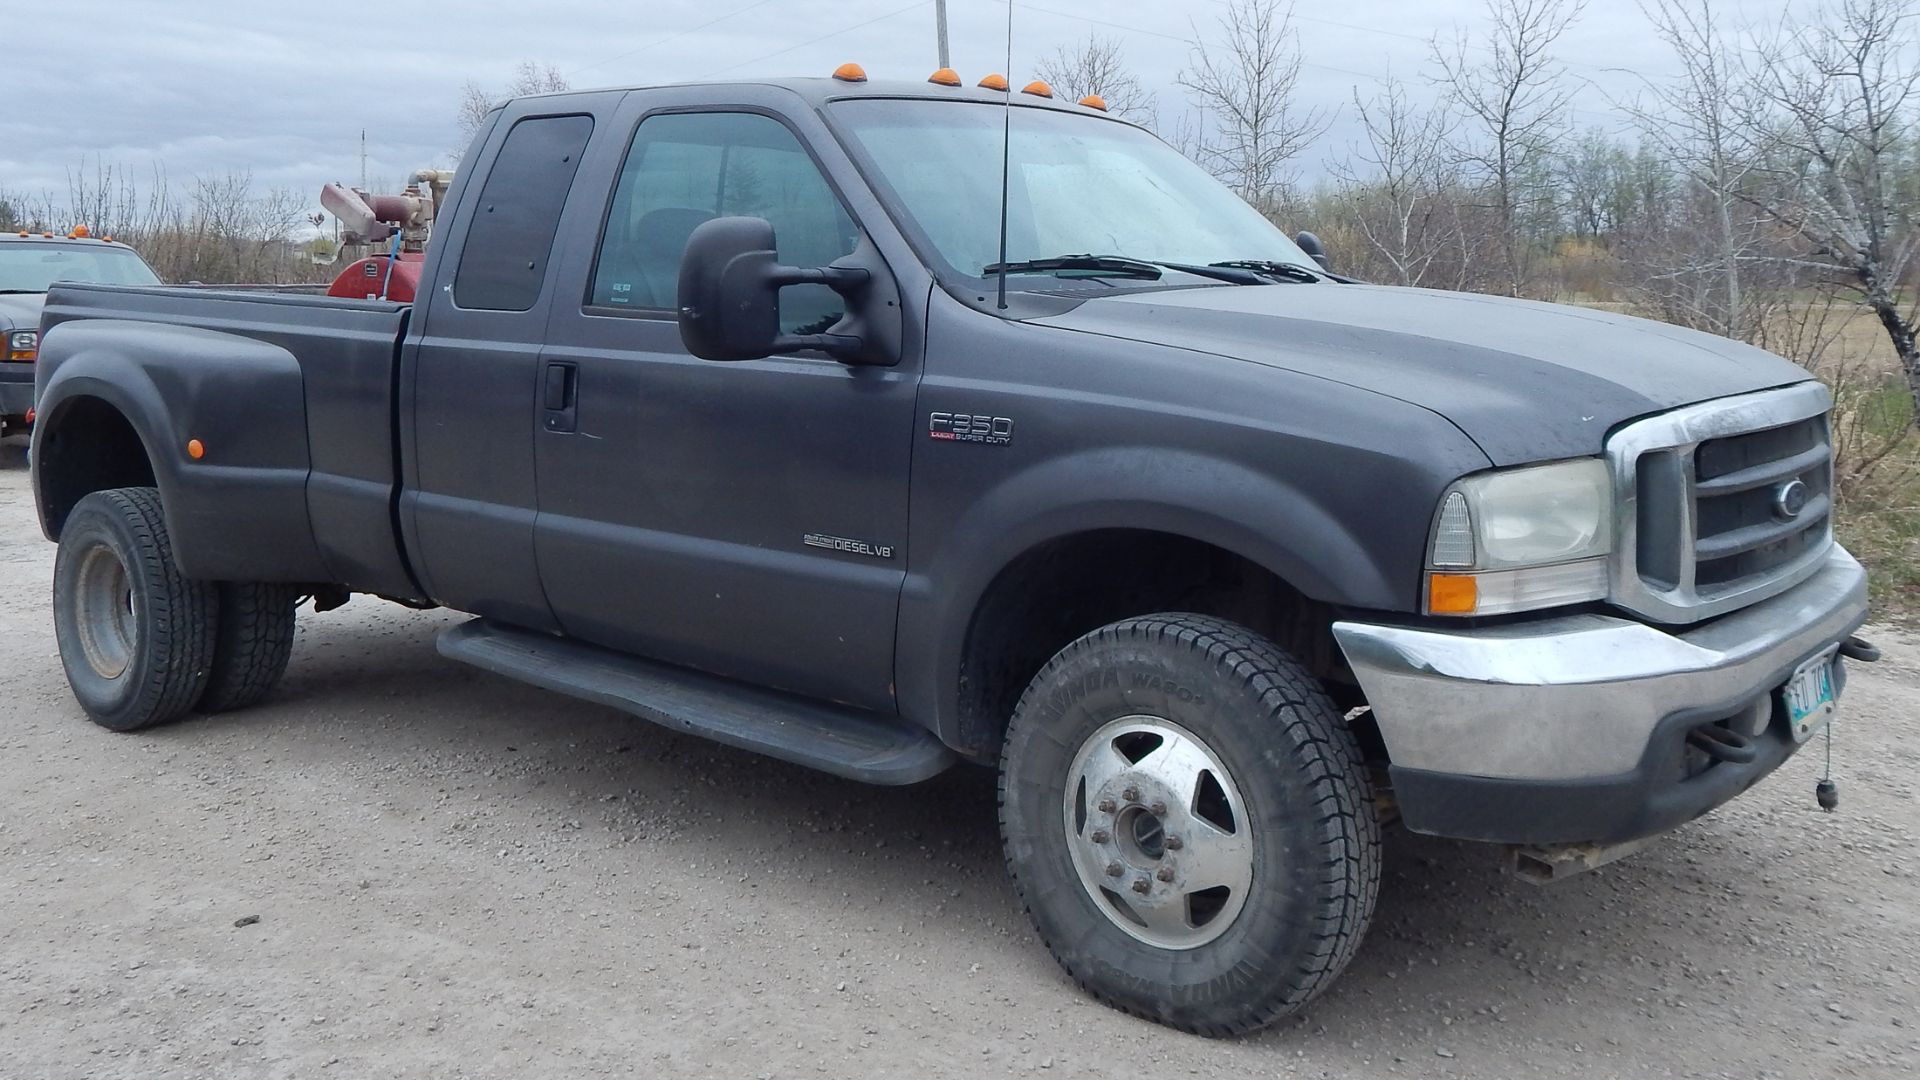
x=850 y=73
x=994 y=82
x=1452 y=594
x=196 y=449
x=945 y=77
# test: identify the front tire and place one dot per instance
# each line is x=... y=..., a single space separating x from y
x=1188 y=823
x=136 y=635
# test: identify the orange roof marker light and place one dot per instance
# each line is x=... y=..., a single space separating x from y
x=850 y=73
x=1094 y=101
x=1037 y=89
x=994 y=82
x=945 y=77
x=80 y=232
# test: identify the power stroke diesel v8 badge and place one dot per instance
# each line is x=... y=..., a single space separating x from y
x=966 y=427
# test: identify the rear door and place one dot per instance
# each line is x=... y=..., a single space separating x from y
x=469 y=500
x=747 y=519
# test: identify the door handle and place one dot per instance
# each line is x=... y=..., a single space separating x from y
x=560 y=394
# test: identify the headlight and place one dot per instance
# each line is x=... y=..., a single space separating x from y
x=1520 y=539
x=22 y=341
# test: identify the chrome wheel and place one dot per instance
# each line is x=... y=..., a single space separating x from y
x=108 y=624
x=1158 y=832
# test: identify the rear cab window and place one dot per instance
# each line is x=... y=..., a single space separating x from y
x=509 y=241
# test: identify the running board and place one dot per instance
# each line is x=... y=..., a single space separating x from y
x=847 y=742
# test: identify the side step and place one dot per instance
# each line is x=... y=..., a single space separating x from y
x=847 y=742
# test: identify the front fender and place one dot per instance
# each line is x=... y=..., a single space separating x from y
x=1258 y=515
x=237 y=513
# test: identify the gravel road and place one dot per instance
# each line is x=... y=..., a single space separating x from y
x=456 y=876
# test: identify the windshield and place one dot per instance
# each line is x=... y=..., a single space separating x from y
x=32 y=266
x=1077 y=185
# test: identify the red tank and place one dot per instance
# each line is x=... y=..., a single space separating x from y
x=364 y=279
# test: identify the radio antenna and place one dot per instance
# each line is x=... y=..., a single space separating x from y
x=1006 y=154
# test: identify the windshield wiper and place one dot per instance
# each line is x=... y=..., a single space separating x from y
x=1124 y=266
x=1114 y=265
x=1271 y=269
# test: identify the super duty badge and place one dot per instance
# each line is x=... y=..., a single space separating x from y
x=966 y=427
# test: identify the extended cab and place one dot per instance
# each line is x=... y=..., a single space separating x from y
x=30 y=262
x=728 y=405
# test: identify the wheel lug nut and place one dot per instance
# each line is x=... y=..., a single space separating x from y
x=1099 y=836
x=1132 y=794
x=1165 y=874
x=1142 y=885
x=1106 y=806
x=1113 y=869
x=1159 y=808
x=1174 y=843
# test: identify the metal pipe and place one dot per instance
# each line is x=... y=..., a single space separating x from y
x=940 y=21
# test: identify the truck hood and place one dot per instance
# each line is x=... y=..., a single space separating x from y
x=21 y=311
x=1527 y=381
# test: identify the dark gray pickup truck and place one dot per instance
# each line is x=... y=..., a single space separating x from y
x=711 y=409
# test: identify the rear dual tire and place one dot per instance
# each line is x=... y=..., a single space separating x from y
x=1188 y=823
x=141 y=642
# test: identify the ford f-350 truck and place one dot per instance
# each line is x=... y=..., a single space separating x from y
x=728 y=406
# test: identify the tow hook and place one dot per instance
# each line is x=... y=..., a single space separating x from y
x=1547 y=863
x=1859 y=648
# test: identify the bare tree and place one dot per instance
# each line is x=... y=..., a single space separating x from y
x=1842 y=180
x=477 y=101
x=1693 y=119
x=1394 y=185
x=1514 y=96
x=1095 y=66
x=1247 y=84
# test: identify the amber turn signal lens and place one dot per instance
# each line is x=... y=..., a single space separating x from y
x=1452 y=594
x=994 y=82
x=196 y=449
x=945 y=77
x=850 y=73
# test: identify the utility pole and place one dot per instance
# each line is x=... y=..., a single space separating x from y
x=940 y=17
x=363 y=159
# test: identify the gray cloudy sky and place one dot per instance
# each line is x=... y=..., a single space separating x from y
x=282 y=88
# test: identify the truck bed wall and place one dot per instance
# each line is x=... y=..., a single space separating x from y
x=318 y=477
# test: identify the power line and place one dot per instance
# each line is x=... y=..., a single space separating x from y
x=1369 y=76
x=823 y=37
x=672 y=37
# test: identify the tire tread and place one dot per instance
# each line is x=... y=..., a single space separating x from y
x=1329 y=756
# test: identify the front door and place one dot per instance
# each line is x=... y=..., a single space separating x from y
x=747 y=519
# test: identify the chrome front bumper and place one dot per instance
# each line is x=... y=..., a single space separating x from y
x=1570 y=706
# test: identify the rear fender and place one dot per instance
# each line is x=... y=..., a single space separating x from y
x=239 y=511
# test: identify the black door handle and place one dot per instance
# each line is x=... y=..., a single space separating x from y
x=561 y=395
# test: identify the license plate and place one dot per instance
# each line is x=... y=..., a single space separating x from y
x=1809 y=696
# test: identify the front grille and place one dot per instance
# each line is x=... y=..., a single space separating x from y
x=1724 y=503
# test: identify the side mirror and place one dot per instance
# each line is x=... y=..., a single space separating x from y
x=1311 y=244
x=730 y=282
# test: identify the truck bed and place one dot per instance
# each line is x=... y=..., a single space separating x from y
x=322 y=476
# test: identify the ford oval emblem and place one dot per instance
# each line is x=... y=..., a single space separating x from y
x=1789 y=499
